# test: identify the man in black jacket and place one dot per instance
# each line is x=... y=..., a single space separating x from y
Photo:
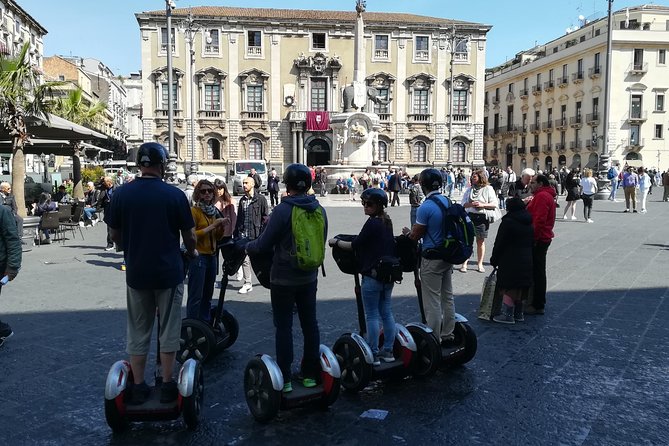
x=10 y=258
x=8 y=200
x=256 y=179
x=251 y=215
x=394 y=186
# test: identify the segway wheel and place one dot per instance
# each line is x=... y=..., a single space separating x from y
x=197 y=341
x=355 y=372
x=231 y=326
x=263 y=401
x=117 y=422
x=428 y=354
x=192 y=405
x=465 y=335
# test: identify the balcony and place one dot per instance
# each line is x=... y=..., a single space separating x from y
x=384 y=117
x=595 y=72
x=254 y=51
x=591 y=146
x=535 y=128
x=636 y=144
x=381 y=54
x=522 y=150
x=510 y=97
x=163 y=114
x=548 y=126
x=419 y=118
x=536 y=90
x=638 y=69
x=461 y=117
x=577 y=77
x=495 y=100
x=576 y=121
x=563 y=81
x=592 y=119
x=211 y=115
x=534 y=150
x=549 y=86
x=576 y=146
x=561 y=124
x=422 y=56
x=522 y=129
x=560 y=147
x=637 y=117
x=253 y=119
x=524 y=93
x=547 y=149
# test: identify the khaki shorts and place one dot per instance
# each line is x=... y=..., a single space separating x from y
x=142 y=306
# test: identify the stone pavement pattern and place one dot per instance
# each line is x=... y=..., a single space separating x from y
x=592 y=371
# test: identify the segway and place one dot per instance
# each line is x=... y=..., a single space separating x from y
x=200 y=339
x=354 y=353
x=188 y=404
x=263 y=380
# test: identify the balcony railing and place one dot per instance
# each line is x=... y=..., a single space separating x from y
x=561 y=123
x=547 y=148
x=422 y=56
x=559 y=147
x=549 y=85
x=254 y=50
x=522 y=129
x=524 y=93
x=576 y=146
x=461 y=117
x=380 y=54
x=639 y=116
x=423 y=118
x=595 y=72
x=548 y=126
x=535 y=128
x=563 y=81
x=522 y=150
x=577 y=77
x=576 y=121
x=385 y=117
x=637 y=144
x=638 y=68
x=253 y=115
x=534 y=150
x=536 y=90
x=495 y=100
x=592 y=119
x=211 y=114
x=164 y=113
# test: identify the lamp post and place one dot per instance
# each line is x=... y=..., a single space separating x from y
x=604 y=158
x=172 y=163
x=453 y=38
x=43 y=158
x=189 y=28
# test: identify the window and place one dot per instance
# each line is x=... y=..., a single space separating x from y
x=551 y=74
x=461 y=51
x=538 y=79
x=211 y=41
x=163 y=40
x=381 y=47
x=61 y=77
x=565 y=68
x=419 y=152
x=579 y=67
x=383 y=151
x=318 y=41
x=255 y=149
x=597 y=62
x=380 y=109
x=318 y=94
x=662 y=57
x=165 y=101
x=213 y=149
x=635 y=110
x=212 y=97
x=458 y=152
x=634 y=135
x=578 y=110
x=420 y=102
x=254 y=99
x=254 y=43
x=511 y=87
x=460 y=102
x=638 y=59
x=659 y=102
x=658 y=131
x=422 y=49
x=595 y=107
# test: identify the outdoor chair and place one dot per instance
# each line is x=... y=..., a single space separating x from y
x=73 y=222
x=50 y=221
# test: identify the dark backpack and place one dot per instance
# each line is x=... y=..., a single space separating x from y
x=611 y=173
x=458 y=232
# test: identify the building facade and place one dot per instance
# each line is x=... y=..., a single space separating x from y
x=259 y=78
x=545 y=108
x=133 y=86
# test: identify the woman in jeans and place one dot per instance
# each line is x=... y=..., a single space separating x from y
x=589 y=189
x=375 y=240
x=227 y=208
x=202 y=270
x=480 y=201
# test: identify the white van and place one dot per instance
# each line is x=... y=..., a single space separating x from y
x=241 y=169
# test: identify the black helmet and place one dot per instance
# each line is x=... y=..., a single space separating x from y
x=297 y=177
x=151 y=154
x=430 y=179
x=375 y=195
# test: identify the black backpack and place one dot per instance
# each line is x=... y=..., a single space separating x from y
x=459 y=234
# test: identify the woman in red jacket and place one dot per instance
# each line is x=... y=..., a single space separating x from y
x=542 y=208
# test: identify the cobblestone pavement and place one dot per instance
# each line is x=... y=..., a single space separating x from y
x=592 y=371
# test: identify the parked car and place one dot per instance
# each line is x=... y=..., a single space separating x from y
x=205 y=175
x=241 y=169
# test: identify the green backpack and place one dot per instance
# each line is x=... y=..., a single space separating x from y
x=308 y=234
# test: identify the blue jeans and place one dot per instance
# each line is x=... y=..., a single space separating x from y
x=88 y=212
x=201 y=276
x=412 y=215
x=378 y=308
x=614 y=189
x=284 y=298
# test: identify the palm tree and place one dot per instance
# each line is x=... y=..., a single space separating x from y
x=21 y=96
x=74 y=108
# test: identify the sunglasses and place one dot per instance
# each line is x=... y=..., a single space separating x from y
x=367 y=204
x=206 y=191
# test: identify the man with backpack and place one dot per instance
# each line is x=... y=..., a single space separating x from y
x=296 y=233
x=432 y=218
x=612 y=175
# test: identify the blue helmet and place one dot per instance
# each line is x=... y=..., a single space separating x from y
x=375 y=195
x=151 y=154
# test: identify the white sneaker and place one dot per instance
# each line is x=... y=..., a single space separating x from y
x=246 y=288
x=643 y=211
x=573 y=217
x=590 y=220
x=565 y=217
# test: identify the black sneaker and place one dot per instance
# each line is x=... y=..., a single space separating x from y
x=168 y=392
x=139 y=393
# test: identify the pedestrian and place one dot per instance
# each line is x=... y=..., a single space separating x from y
x=630 y=185
x=480 y=202
x=322 y=182
x=202 y=271
x=8 y=200
x=521 y=187
x=416 y=197
x=190 y=187
x=291 y=286
x=351 y=184
x=436 y=274
x=374 y=242
x=257 y=180
x=10 y=258
x=612 y=175
x=251 y=216
x=226 y=206
x=394 y=186
x=665 y=185
x=146 y=218
x=104 y=200
x=512 y=256
x=273 y=187
x=542 y=209
x=573 y=186
x=588 y=190
x=43 y=205
x=645 y=186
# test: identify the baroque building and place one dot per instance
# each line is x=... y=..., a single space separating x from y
x=266 y=82
x=544 y=108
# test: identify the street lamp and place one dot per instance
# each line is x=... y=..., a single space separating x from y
x=603 y=182
x=189 y=27
x=43 y=158
x=172 y=163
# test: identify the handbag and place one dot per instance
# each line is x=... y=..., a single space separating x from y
x=488 y=296
x=387 y=270
x=493 y=215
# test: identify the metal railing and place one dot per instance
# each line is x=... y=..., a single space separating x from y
x=577 y=77
x=595 y=71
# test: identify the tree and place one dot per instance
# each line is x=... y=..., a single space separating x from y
x=74 y=108
x=21 y=97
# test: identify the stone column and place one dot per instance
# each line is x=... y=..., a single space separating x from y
x=293 y=159
x=300 y=147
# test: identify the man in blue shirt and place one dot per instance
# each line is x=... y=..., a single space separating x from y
x=435 y=274
x=146 y=218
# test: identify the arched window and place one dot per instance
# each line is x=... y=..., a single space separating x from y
x=562 y=160
x=576 y=161
x=593 y=161
x=419 y=152
x=458 y=155
x=255 y=149
x=633 y=156
x=213 y=149
x=383 y=151
x=549 y=163
x=523 y=163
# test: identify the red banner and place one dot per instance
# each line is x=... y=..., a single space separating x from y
x=318 y=121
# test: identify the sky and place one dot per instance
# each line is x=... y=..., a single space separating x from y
x=107 y=29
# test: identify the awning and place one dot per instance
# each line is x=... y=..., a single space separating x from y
x=632 y=163
x=59 y=128
x=38 y=146
x=88 y=146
